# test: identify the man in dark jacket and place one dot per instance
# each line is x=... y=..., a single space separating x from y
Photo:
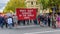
x=1 y=21
x=49 y=21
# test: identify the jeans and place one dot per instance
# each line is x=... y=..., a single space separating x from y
x=1 y=25
x=35 y=22
x=44 y=22
x=10 y=25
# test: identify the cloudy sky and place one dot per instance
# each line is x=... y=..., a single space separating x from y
x=3 y=4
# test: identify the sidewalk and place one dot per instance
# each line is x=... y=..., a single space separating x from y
x=27 y=26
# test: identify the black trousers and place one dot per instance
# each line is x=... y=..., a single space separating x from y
x=21 y=21
x=6 y=25
x=49 y=23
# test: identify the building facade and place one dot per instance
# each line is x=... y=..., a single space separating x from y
x=33 y=4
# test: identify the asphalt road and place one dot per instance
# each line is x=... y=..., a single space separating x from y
x=32 y=29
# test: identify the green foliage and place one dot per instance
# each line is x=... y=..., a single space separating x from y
x=45 y=3
x=13 y=4
x=49 y=3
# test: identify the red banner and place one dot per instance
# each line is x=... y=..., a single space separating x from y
x=26 y=13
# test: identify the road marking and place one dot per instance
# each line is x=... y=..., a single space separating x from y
x=43 y=32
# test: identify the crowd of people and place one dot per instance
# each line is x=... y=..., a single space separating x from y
x=8 y=21
x=50 y=20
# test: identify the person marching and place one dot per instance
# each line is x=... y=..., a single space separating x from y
x=10 y=22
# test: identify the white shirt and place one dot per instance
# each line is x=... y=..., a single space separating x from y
x=9 y=20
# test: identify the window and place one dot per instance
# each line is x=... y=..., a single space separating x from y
x=36 y=3
x=31 y=3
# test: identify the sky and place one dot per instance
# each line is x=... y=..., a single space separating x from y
x=3 y=4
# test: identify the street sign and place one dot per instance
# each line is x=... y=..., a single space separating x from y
x=26 y=13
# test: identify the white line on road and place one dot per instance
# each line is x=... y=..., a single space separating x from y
x=43 y=32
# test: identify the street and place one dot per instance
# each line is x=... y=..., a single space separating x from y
x=30 y=29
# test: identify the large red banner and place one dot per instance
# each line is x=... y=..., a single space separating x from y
x=26 y=13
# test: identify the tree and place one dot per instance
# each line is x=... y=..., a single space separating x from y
x=49 y=3
x=13 y=4
x=45 y=3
